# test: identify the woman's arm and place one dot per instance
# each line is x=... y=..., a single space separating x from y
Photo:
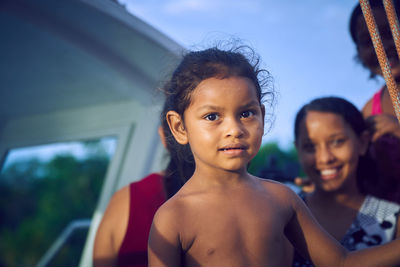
x=111 y=230
x=383 y=124
x=315 y=243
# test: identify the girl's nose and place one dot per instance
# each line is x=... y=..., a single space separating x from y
x=234 y=128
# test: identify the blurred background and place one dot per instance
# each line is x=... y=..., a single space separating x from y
x=305 y=45
x=79 y=101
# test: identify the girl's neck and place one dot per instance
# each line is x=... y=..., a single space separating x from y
x=213 y=177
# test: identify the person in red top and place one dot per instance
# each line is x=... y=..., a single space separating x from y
x=121 y=238
x=378 y=111
x=145 y=197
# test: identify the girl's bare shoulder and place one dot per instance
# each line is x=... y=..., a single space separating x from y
x=174 y=207
x=174 y=215
x=274 y=185
x=279 y=190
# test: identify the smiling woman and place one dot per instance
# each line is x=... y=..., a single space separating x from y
x=329 y=150
x=332 y=141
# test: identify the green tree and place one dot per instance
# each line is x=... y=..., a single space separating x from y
x=273 y=158
x=38 y=200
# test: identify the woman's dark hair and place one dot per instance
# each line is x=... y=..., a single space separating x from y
x=195 y=67
x=366 y=170
x=356 y=13
x=351 y=115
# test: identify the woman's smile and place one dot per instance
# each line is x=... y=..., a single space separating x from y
x=329 y=150
x=329 y=174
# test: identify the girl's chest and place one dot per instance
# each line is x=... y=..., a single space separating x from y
x=227 y=224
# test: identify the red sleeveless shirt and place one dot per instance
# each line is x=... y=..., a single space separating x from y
x=146 y=196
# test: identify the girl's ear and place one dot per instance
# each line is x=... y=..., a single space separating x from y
x=177 y=127
x=365 y=139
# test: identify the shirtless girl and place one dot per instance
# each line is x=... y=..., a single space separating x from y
x=223 y=216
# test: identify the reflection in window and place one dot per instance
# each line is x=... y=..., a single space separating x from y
x=42 y=190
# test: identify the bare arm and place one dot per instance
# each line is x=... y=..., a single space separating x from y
x=111 y=230
x=323 y=250
x=383 y=124
x=164 y=247
x=380 y=124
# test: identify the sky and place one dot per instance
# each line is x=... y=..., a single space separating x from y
x=304 y=44
x=47 y=152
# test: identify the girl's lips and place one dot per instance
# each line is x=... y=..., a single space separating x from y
x=234 y=150
x=233 y=146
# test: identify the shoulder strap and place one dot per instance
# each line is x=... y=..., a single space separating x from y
x=376 y=103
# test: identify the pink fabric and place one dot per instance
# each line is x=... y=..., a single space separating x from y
x=376 y=103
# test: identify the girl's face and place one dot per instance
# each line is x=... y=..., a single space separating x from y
x=329 y=150
x=224 y=123
x=365 y=47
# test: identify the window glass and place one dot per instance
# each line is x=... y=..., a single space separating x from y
x=45 y=188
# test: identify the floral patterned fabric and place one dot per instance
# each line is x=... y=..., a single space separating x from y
x=374 y=225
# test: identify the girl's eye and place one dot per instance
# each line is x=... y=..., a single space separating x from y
x=212 y=117
x=246 y=114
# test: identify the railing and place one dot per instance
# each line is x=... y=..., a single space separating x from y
x=62 y=238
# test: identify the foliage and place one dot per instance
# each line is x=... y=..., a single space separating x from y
x=275 y=163
x=38 y=200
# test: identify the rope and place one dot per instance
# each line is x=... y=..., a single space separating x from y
x=380 y=51
x=393 y=22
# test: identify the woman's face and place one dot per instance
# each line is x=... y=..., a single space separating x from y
x=329 y=150
x=365 y=48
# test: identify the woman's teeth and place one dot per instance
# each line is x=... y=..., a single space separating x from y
x=328 y=172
